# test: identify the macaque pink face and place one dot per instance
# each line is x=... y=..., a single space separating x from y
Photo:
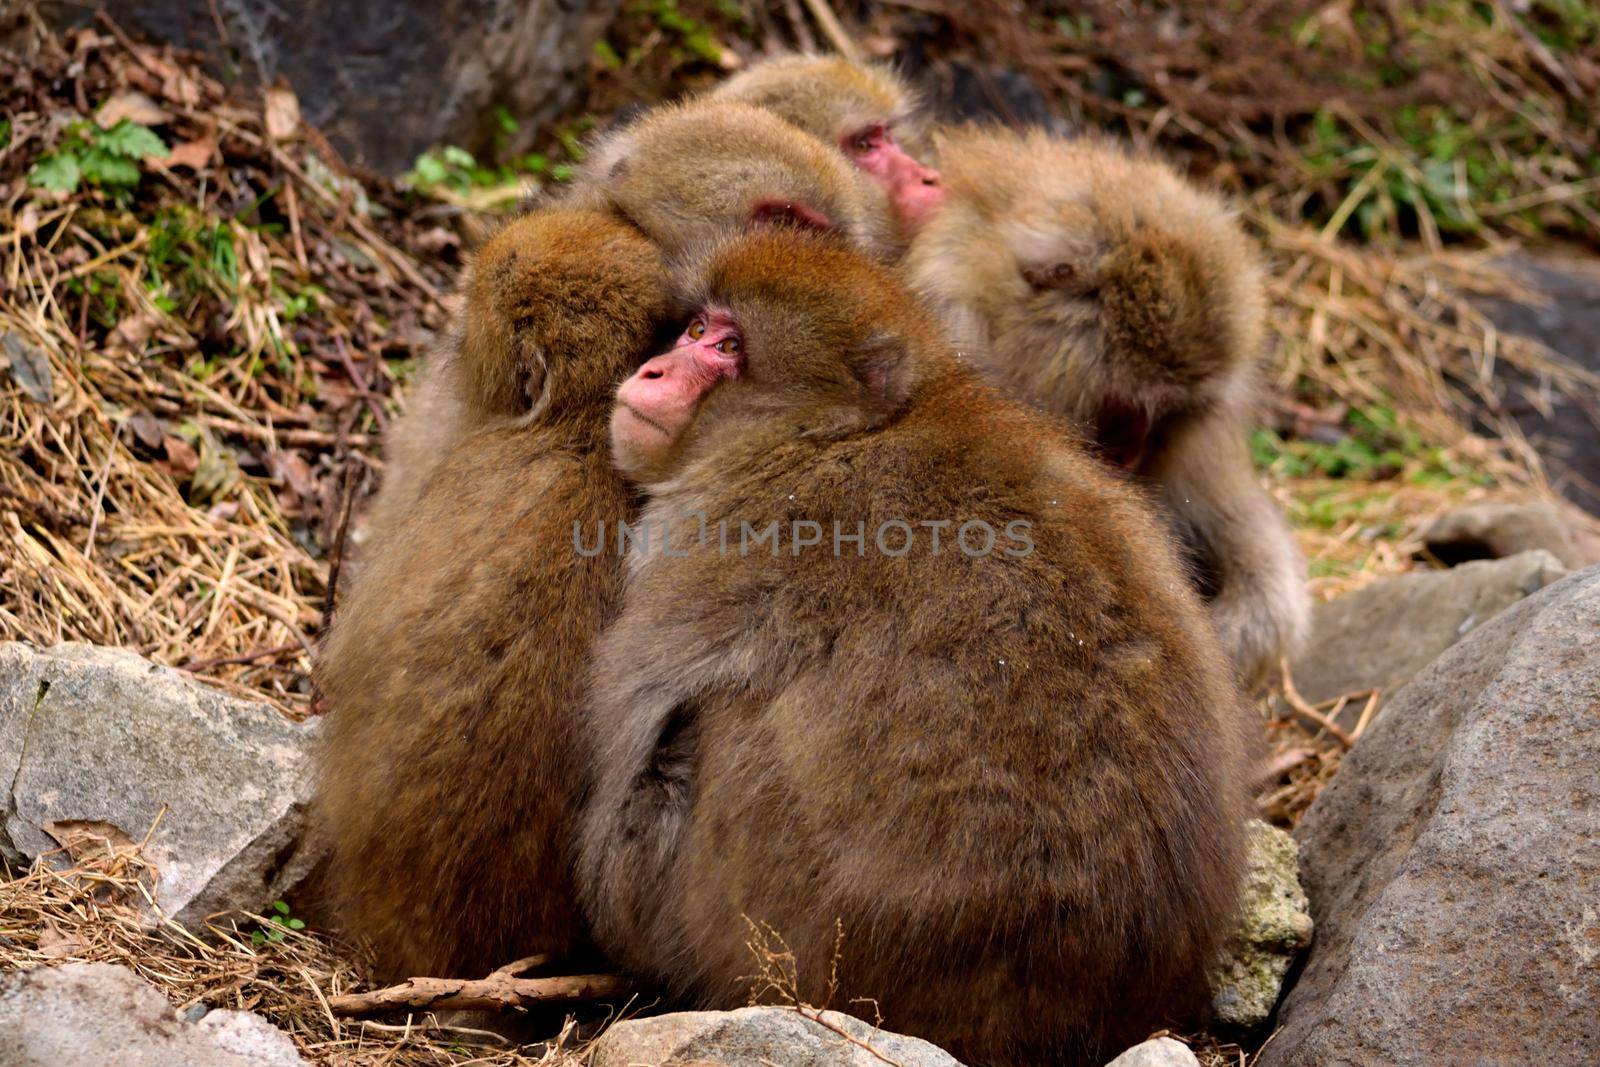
x=915 y=191
x=657 y=404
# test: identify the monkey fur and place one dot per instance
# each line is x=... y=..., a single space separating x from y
x=1015 y=784
x=450 y=767
x=1104 y=287
x=685 y=175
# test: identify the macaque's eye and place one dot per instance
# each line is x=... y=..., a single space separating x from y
x=868 y=139
x=729 y=346
x=697 y=329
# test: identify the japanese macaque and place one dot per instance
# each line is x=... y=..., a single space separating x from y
x=685 y=175
x=450 y=768
x=1104 y=287
x=961 y=716
x=867 y=112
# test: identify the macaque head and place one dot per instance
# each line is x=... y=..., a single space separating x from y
x=867 y=112
x=560 y=304
x=1092 y=282
x=793 y=337
x=690 y=174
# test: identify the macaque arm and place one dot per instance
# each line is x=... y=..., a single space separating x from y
x=1251 y=563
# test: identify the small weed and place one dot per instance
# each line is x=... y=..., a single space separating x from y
x=104 y=159
x=278 y=925
x=694 y=36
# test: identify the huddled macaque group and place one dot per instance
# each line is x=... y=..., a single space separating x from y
x=930 y=568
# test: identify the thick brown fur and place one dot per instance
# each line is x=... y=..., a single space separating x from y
x=685 y=175
x=829 y=97
x=689 y=173
x=1015 y=782
x=451 y=770
x=1098 y=284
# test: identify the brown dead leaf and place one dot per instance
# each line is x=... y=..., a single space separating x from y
x=133 y=106
x=192 y=154
x=181 y=456
x=55 y=945
x=296 y=474
x=134 y=331
x=28 y=220
x=282 y=112
x=147 y=428
x=82 y=837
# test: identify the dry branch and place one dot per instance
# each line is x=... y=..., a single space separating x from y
x=499 y=991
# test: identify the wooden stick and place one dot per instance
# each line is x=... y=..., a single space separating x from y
x=832 y=30
x=498 y=992
x=1305 y=710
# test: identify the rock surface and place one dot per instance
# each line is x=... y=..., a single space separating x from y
x=1160 y=1052
x=101 y=741
x=760 y=1037
x=384 y=81
x=1453 y=866
x=1498 y=530
x=97 y=1013
x=1274 y=928
x=1568 y=321
x=1379 y=637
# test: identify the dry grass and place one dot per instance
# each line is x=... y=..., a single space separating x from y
x=97 y=909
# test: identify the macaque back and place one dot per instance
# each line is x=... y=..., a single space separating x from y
x=1010 y=770
x=452 y=763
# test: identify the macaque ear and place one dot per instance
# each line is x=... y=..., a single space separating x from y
x=883 y=368
x=1069 y=279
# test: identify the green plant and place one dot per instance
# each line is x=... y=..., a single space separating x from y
x=694 y=35
x=106 y=159
x=278 y=925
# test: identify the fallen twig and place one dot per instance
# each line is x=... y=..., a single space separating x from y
x=1292 y=696
x=499 y=991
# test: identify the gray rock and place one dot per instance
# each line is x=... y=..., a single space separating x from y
x=384 y=81
x=1379 y=637
x=1274 y=928
x=1567 y=320
x=1159 y=1052
x=761 y=1037
x=82 y=1014
x=1453 y=864
x=102 y=740
x=1498 y=530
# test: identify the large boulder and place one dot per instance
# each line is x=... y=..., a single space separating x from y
x=384 y=81
x=1453 y=864
x=1157 y=1052
x=1380 y=636
x=761 y=1037
x=1274 y=928
x=98 y=1013
x=1566 y=318
x=101 y=743
x=1499 y=529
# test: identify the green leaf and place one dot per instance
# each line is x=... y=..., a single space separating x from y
x=103 y=168
x=429 y=170
x=297 y=924
x=131 y=140
x=281 y=907
x=607 y=55
x=58 y=171
x=460 y=157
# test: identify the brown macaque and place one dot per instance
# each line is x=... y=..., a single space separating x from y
x=451 y=767
x=865 y=111
x=685 y=175
x=1103 y=287
x=913 y=675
